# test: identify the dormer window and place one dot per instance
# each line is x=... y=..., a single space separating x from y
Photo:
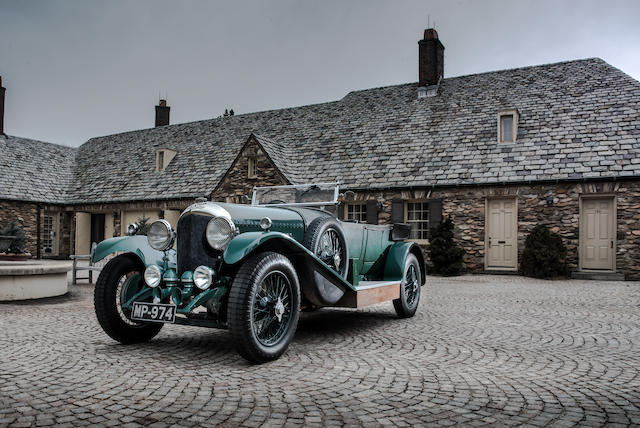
x=164 y=158
x=507 y=125
x=251 y=167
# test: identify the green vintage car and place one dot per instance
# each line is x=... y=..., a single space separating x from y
x=253 y=268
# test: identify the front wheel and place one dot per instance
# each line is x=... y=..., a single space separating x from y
x=407 y=304
x=118 y=282
x=264 y=307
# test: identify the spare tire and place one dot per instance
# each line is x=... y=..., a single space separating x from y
x=324 y=238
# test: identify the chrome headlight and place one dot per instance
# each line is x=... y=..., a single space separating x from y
x=152 y=276
x=219 y=232
x=132 y=229
x=203 y=277
x=160 y=235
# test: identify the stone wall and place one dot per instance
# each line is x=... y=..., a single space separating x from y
x=237 y=183
x=466 y=206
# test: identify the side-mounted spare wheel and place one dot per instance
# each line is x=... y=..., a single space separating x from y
x=264 y=307
x=119 y=280
x=407 y=304
x=324 y=238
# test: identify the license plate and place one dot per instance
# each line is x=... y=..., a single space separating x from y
x=154 y=312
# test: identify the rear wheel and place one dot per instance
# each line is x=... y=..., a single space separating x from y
x=119 y=281
x=326 y=240
x=407 y=304
x=264 y=307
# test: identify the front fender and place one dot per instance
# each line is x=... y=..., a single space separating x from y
x=137 y=245
x=245 y=243
x=396 y=257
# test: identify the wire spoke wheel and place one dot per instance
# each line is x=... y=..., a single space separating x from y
x=272 y=308
x=128 y=285
x=407 y=304
x=330 y=250
x=119 y=281
x=411 y=286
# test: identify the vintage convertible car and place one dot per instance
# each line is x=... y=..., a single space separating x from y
x=253 y=268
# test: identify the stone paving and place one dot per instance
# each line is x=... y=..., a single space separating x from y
x=481 y=350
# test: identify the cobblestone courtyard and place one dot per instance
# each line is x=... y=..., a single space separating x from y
x=482 y=349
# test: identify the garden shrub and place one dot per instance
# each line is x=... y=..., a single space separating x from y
x=143 y=225
x=544 y=254
x=445 y=255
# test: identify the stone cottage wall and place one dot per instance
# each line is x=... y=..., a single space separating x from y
x=466 y=206
x=236 y=183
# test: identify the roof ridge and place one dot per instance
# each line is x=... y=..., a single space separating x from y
x=41 y=142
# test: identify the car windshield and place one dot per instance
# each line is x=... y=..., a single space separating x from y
x=301 y=194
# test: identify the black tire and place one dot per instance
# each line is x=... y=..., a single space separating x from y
x=114 y=277
x=410 y=287
x=313 y=239
x=246 y=316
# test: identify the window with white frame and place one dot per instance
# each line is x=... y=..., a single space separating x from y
x=417 y=215
x=356 y=212
x=507 y=125
x=251 y=167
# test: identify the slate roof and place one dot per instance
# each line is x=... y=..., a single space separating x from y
x=36 y=171
x=578 y=119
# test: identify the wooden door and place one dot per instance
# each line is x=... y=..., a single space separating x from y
x=502 y=234
x=597 y=233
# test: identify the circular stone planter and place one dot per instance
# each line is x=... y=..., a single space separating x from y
x=33 y=279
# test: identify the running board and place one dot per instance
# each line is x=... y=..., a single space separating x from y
x=371 y=292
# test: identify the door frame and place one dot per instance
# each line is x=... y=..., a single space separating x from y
x=614 y=219
x=487 y=199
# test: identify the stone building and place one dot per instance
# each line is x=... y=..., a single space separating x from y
x=500 y=152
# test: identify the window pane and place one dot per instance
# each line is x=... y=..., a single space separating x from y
x=506 y=124
x=357 y=212
x=418 y=218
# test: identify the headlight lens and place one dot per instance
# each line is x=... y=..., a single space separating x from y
x=219 y=232
x=203 y=277
x=152 y=276
x=160 y=235
x=132 y=229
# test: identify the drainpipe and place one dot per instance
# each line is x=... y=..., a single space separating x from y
x=38 y=244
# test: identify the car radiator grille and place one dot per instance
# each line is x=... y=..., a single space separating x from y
x=192 y=247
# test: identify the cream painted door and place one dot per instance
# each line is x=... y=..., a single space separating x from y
x=502 y=241
x=598 y=225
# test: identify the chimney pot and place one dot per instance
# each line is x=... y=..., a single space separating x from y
x=162 y=113
x=430 y=34
x=430 y=59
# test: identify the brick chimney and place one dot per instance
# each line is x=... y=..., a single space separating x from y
x=2 y=91
x=430 y=59
x=162 y=113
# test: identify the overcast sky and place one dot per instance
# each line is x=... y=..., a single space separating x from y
x=80 y=69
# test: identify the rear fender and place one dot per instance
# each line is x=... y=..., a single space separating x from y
x=137 y=246
x=397 y=257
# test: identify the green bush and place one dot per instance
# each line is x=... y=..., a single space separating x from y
x=446 y=256
x=143 y=225
x=20 y=238
x=544 y=254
